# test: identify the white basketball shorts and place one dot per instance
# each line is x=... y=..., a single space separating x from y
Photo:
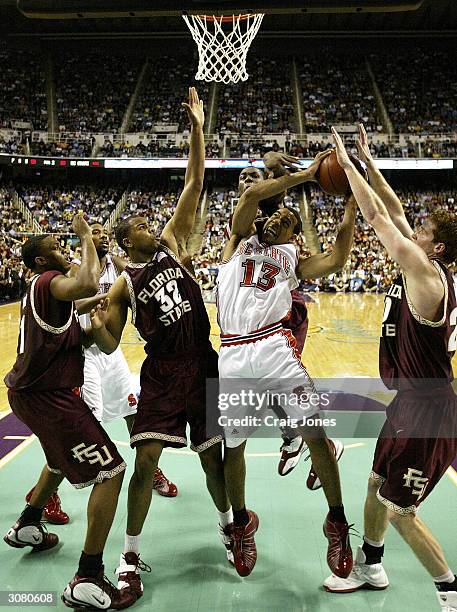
x=266 y=367
x=108 y=388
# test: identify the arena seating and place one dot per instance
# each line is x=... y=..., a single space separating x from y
x=22 y=89
x=53 y=207
x=93 y=92
x=166 y=86
x=12 y=228
x=419 y=88
x=262 y=104
x=336 y=90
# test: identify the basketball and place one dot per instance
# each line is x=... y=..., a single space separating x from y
x=332 y=178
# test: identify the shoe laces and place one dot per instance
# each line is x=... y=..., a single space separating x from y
x=108 y=587
x=55 y=500
x=353 y=532
x=144 y=567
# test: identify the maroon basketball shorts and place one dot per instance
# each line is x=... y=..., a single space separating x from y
x=173 y=394
x=74 y=442
x=417 y=444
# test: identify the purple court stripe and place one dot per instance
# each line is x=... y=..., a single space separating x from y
x=11 y=426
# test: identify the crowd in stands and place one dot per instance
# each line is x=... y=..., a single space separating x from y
x=93 y=90
x=73 y=147
x=154 y=148
x=13 y=273
x=22 y=89
x=369 y=269
x=54 y=207
x=12 y=145
x=262 y=104
x=339 y=92
x=418 y=87
x=165 y=87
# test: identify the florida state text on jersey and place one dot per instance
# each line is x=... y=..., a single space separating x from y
x=167 y=305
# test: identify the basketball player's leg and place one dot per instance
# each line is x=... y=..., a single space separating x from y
x=235 y=478
x=101 y=509
x=213 y=466
x=141 y=483
x=48 y=483
x=423 y=543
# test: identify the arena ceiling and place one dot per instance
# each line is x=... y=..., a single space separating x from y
x=434 y=16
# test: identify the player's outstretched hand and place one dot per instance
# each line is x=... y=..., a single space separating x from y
x=80 y=225
x=314 y=167
x=194 y=108
x=362 y=145
x=277 y=164
x=99 y=314
x=341 y=153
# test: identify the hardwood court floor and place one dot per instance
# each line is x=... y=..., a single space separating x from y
x=180 y=542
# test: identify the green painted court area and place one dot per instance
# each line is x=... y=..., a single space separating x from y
x=180 y=541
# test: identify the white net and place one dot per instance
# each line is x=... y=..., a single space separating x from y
x=223 y=45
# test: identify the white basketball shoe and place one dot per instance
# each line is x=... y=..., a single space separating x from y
x=291 y=451
x=226 y=536
x=363 y=576
x=447 y=600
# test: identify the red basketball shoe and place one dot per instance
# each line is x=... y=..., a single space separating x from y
x=96 y=594
x=163 y=486
x=128 y=573
x=339 y=553
x=244 y=548
x=52 y=512
x=30 y=534
x=291 y=451
x=313 y=481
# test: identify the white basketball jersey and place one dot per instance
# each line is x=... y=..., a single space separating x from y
x=254 y=285
x=107 y=277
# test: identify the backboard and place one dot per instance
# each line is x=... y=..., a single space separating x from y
x=77 y=9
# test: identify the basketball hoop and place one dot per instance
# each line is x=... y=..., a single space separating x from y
x=222 y=52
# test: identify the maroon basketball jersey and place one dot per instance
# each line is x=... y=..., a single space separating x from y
x=412 y=348
x=298 y=320
x=167 y=305
x=49 y=352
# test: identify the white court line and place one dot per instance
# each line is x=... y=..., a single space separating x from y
x=178 y=451
x=452 y=474
x=15 y=437
x=17 y=450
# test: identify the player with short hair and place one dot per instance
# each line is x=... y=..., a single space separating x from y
x=168 y=311
x=418 y=441
x=108 y=389
x=254 y=297
x=41 y=385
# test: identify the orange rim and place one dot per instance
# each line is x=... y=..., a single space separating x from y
x=227 y=18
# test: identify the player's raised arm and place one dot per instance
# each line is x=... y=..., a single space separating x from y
x=177 y=230
x=381 y=186
x=324 y=264
x=84 y=283
x=404 y=251
x=108 y=318
x=246 y=209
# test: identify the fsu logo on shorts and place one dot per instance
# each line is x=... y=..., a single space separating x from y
x=415 y=481
x=82 y=453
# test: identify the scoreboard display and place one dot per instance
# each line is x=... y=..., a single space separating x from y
x=51 y=162
x=140 y=163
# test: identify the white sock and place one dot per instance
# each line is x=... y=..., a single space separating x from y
x=447 y=577
x=373 y=542
x=132 y=544
x=225 y=518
